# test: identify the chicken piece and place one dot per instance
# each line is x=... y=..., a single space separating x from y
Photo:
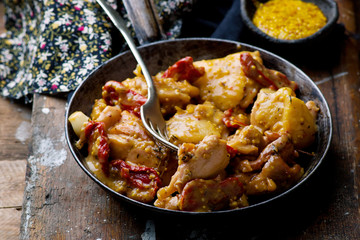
x=195 y=123
x=130 y=125
x=137 y=83
x=109 y=116
x=98 y=107
x=115 y=93
x=174 y=93
x=282 y=147
x=277 y=167
x=129 y=141
x=246 y=141
x=270 y=136
x=168 y=202
x=276 y=175
x=172 y=90
x=201 y=195
x=205 y=160
x=314 y=110
x=135 y=151
x=266 y=77
x=224 y=83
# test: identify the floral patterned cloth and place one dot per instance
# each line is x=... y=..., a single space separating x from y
x=52 y=45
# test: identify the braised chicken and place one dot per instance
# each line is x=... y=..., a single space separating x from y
x=276 y=165
x=202 y=161
x=239 y=127
x=201 y=195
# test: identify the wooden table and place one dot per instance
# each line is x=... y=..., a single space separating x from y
x=61 y=202
x=15 y=133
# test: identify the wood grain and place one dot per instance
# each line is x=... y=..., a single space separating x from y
x=12 y=183
x=14 y=130
x=12 y=170
x=14 y=140
x=10 y=223
x=340 y=183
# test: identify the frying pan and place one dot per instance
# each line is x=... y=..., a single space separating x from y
x=158 y=56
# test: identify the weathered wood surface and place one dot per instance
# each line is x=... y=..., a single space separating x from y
x=15 y=132
x=62 y=203
x=15 y=129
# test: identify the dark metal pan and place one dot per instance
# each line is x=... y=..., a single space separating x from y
x=158 y=56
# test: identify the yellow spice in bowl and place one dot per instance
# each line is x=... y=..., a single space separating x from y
x=289 y=19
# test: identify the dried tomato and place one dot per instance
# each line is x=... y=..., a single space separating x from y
x=137 y=176
x=116 y=93
x=103 y=149
x=184 y=69
x=231 y=121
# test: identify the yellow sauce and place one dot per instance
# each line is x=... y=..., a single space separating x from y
x=289 y=19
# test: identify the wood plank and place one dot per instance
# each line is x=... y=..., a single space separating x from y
x=15 y=129
x=13 y=153
x=58 y=192
x=12 y=183
x=10 y=223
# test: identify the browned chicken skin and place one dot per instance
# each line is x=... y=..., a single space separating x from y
x=278 y=170
x=210 y=195
x=205 y=160
x=281 y=146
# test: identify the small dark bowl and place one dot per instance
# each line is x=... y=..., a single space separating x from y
x=328 y=7
x=158 y=56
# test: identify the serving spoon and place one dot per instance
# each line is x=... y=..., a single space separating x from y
x=150 y=112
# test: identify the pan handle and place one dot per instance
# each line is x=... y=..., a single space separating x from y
x=145 y=20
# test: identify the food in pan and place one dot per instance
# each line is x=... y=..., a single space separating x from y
x=289 y=19
x=239 y=127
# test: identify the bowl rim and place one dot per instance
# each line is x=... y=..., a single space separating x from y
x=248 y=22
x=187 y=213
